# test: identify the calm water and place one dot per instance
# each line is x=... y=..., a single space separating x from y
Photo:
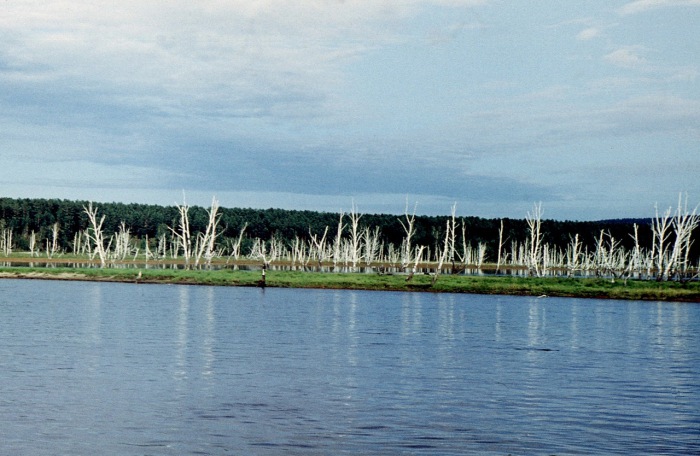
x=92 y=368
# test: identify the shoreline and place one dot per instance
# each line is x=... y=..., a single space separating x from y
x=585 y=288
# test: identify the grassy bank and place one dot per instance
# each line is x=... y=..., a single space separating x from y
x=506 y=285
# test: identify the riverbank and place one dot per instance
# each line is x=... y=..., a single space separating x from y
x=504 y=285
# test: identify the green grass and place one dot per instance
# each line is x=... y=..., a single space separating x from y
x=505 y=285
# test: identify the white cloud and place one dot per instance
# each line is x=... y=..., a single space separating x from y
x=323 y=96
x=687 y=74
x=640 y=6
x=81 y=173
x=588 y=34
x=236 y=58
x=627 y=57
x=658 y=113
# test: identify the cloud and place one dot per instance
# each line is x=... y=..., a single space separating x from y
x=62 y=174
x=328 y=98
x=588 y=34
x=236 y=59
x=640 y=6
x=628 y=57
x=655 y=113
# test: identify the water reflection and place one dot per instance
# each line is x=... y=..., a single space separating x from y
x=93 y=304
x=536 y=322
x=574 y=326
x=209 y=338
x=446 y=315
x=411 y=314
x=498 y=319
x=182 y=333
x=125 y=369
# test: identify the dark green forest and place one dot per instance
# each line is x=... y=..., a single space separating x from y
x=24 y=216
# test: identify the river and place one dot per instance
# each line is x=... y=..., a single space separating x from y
x=125 y=369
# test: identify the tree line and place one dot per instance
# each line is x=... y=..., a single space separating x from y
x=55 y=225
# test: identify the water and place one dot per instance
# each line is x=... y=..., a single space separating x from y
x=99 y=368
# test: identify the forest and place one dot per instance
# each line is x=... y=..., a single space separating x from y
x=660 y=246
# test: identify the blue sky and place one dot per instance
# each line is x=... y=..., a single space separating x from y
x=592 y=108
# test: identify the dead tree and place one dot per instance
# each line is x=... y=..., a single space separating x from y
x=300 y=253
x=573 y=256
x=355 y=237
x=451 y=238
x=54 y=241
x=661 y=231
x=635 y=260
x=94 y=233
x=32 y=245
x=6 y=241
x=534 y=251
x=318 y=246
x=371 y=245
x=122 y=242
x=408 y=227
x=182 y=233
x=443 y=254
x=338 y=242
x=500 y=247
x=235 y=246
x=259 y=252
x=207 y=240
x=683 y=223
x=418 y=257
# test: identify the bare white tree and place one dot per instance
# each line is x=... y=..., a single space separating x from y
x=661 y=230
x=442 y=254
x=418 y=257
x=147 y=250
x=500 y=247
x=95 y=234
x=481 y=254
x=206 y=241
x=318 y=246
x=683 y=223
x=609 y=258
x=278 y=249
x=338 y=242
x=32 y=245
x=371 y=244
x=573 y=256
x=355 y=236
x=6 y=241
x=259 y=252
x=182 y=233
x=636 y=259
x=300 y=252
x=79 y=244
x=122 y=242
x=451 y=237
x=235 y=246
x=408 y=227
x=534 y=223
x=162 y=247
x=52 y=248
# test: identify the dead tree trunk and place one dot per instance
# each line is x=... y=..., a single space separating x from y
x=355 y=237
x=206 y=241
x=500 y=247
x=406 y=248
x=95 y=234
x=338 y=242
x=534 y=223
x=182 y=233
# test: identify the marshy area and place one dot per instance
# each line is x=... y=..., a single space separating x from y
x=653 y=258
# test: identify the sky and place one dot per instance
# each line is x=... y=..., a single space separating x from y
x=590 y=108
